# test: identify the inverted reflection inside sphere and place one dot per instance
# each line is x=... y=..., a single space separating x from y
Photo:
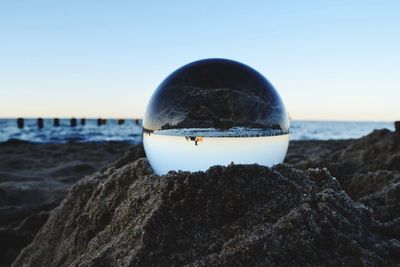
x=214 y=112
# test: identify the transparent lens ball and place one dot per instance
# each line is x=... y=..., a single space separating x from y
x=214 y=112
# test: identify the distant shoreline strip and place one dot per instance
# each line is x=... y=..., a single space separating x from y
x=215 y=133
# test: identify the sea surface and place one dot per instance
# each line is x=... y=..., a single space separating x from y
x=131 y=131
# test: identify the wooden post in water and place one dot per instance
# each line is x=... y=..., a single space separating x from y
x=40 y=123
x=20 y=123
x=83 y=121
x=137 y=121
x=121 y=121
x=56 y=122
x=397 y=126
x=73 y=122
x=101 y=122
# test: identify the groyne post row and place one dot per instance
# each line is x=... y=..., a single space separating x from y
x=73 y=122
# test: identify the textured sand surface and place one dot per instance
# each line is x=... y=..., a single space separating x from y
x=34 y=178
x=237 y=215
x=367 y=168
x=248 y=215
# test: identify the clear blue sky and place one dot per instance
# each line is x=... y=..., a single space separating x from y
x=328 y=59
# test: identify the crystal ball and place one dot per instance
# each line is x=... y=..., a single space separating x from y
x=214 y=112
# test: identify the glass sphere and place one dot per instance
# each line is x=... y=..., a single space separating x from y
x=214 y=112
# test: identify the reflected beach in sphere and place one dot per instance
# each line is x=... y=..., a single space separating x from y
x=214 y=112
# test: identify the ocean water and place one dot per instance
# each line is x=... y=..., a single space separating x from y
x=326 y=130
x=111 y=131
x=132 y=133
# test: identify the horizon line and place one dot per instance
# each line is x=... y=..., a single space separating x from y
x=141 y=118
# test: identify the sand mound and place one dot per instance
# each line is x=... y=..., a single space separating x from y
x=235 y=215
x=35 y=178
x=380 y=150
x=367 y=168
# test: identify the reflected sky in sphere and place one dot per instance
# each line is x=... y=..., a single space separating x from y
x=215 y=107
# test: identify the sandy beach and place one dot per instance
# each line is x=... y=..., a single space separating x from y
x=35 y=178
